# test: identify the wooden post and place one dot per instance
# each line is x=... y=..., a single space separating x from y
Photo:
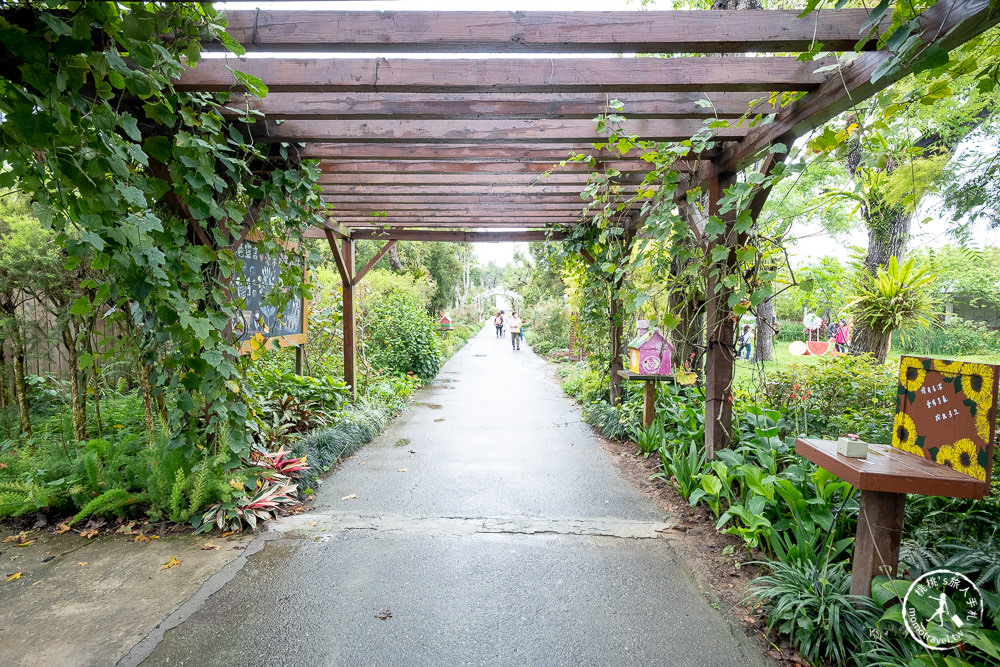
x=648 y=403
x=615 y=335
x=299 y=352
x=721 y=357
x=350 y=320
x=876 y=545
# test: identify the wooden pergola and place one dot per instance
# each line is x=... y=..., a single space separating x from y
x=447 y=141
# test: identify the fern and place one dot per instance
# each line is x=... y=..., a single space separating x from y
x=177 y=496
x=109 y=502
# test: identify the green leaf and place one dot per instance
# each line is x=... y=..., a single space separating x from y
x=81 y=306
x=253 y=85
x=932 y=57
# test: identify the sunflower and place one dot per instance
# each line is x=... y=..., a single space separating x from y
x=983 y=425
x=961 y=457
x=949 y=369
x=904 y=434
x=977 y=382
x=911 y=373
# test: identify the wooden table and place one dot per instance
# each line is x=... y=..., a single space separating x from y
x=884 y=478
x=648 y=393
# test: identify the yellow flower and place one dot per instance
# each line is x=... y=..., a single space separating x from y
x=949 y=369
x=911 y=373
x=904 y=434
x=961 y=457
x=983 y=425
x=977 y=383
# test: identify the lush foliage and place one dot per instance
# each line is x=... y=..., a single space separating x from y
x=400 y=337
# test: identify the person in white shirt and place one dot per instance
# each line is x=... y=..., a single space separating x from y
x=514 y=326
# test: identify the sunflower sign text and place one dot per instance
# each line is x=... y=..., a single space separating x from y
x=946 y=411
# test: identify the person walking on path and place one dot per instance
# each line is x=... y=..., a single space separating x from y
x=514 y=324
x=498 y=323
x=745 y=339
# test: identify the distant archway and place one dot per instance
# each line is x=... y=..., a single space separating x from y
x=502 y=299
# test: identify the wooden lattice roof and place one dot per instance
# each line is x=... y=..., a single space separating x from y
x=446 y=122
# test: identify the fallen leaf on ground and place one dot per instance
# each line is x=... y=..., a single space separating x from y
x=228 y=533
x=127 y=529
x=19 y=537
x=209 y=547
x=412 y=451
x=48 y=558
x=141 y=538
x=82 y=563
x=16 y=575
x=24 y=544
x=89 y=533
x=403 y=470
x=62 y=528
x=314 y=523
x=350 y=497
x=154 y=537
x=3 y=466
x=173 y=562
x=384 y=615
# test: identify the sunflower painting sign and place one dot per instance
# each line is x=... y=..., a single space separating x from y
x=946 y=412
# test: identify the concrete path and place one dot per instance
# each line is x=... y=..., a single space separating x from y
x=486 y=527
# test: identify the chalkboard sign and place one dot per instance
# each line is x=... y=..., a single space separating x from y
x=946 y=412
x=260 y=275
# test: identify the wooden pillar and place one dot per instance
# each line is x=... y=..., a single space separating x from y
x=876 y=545
x=350 y=320
x=615 y=335
x=721 y=357
x=299 y=353
x=617 y=318
x=648 y=403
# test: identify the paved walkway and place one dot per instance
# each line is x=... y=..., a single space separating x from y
x=486 y=527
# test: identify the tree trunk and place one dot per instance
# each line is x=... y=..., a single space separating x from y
x=394 y=261
x=77 y=395
x=20 y=382
x=146 y=391
x=95 y=375
x=764 y=348
x=888 y=233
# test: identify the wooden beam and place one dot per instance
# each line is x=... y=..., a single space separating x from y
x=457 y=236
x=361 y=274
x=345 y=275
x=465 y=225
x=545 y=32
x=947 y=24
x=499 y=153
x=534 y=75
x=375 y=201
x=509 y=106
x=459 y=207
x=459 y=190
x=467 y=167
x=337 y=229
x=472 y=131
x=557 y=177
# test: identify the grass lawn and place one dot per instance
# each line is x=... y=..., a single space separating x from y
x=748 y=373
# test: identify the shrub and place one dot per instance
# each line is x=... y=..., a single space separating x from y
x=400 y=337
x=957 y=337
x=813 y=607
x=547 y=326
x=837 y=395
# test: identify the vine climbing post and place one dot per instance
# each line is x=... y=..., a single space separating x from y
x=616 y=320
x=720 y=358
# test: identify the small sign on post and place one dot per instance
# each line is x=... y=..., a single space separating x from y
x=260 y=275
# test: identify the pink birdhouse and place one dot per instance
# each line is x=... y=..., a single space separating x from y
x=445 y=322
x=649 y=352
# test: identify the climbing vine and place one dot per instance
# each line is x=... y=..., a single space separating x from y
x=151 y=186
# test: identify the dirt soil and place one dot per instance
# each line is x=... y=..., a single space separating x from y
x=719 y=562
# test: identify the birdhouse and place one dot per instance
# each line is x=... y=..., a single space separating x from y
x=649 y=352
x=445 y=322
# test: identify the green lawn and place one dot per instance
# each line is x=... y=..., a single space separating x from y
x=748 y=372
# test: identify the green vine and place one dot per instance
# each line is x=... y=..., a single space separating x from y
x=152 y=186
